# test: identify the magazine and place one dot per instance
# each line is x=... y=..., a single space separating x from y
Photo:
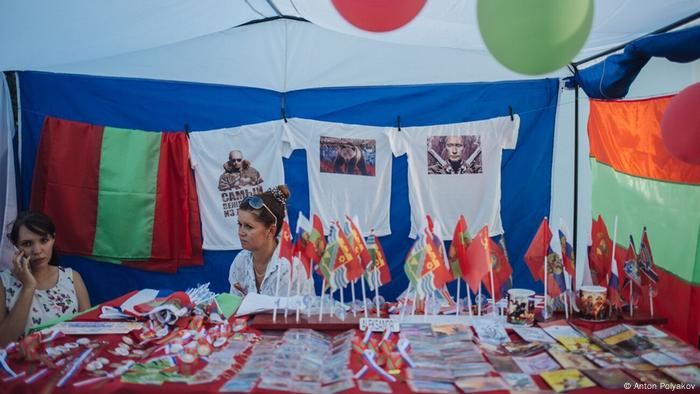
x=474 y=385
x=649 y=331
x=612 y=378
x=536 y=364
x=650 y=377
x=504 y=364
x=687 y=354
x=520 y=382
x=605 y=359
x=571 y=360
x=689 y=374
x=568 y=336
x=491 y=332
x=533 y=334
x=660 y=359
x=623 y=337
x=566 y=379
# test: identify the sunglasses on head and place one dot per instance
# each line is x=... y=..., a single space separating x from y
x=256 y=202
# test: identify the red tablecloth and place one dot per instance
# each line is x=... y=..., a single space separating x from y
x=47 y=384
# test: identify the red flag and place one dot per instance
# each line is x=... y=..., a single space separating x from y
x=537 y=251
x=600 y=253
x=476 y=265
x=358 y=244
x=286 y=246
x=502 y=270
x=458 y=249
x=318 y=239
x=347 y=257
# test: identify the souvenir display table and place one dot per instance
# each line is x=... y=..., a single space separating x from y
x=487 y=356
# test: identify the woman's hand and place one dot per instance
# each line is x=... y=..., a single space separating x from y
x=22 y=271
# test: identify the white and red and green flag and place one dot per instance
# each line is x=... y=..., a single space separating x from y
x=345 y=266
x=414 y=263
x=325 y=265
x=119 y=195
x=434 y=274
x=379 y=263
x=637 y=179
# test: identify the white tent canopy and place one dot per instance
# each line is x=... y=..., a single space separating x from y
x=213 y=42
x=39 y=35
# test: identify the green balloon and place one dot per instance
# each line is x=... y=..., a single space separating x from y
x=534 y=36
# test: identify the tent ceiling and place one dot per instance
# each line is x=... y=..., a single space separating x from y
x=79 y=32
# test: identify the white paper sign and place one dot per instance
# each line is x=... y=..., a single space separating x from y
x=95 y=327
x=378 y=325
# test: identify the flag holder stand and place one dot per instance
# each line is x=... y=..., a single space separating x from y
x=327 y=323
x=639 y=319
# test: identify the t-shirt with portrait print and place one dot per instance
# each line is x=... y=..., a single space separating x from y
x=455 y=169
x=349 y=169
x=229 y=165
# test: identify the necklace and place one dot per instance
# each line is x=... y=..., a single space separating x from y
x=258 y=274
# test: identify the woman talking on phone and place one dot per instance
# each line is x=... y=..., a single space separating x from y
x=256 y=267
x=36 y=290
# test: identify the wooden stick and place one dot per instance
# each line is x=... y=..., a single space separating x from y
x=364 y=295
x=459 y=302
x=277 y=299
x=323 y=292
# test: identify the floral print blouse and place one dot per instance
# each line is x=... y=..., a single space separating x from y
x=241 y=273
x=47 y=304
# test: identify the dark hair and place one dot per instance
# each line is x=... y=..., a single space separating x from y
x=274 y=198
x=38 y=223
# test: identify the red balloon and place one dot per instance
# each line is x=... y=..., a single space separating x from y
x=378 y=15
x=680 y=125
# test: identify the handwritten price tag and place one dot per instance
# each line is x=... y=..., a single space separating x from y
x=378 y=325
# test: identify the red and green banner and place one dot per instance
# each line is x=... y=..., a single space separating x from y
x=118 y=194
x=638 y=180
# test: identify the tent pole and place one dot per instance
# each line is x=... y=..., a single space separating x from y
x=576 y=135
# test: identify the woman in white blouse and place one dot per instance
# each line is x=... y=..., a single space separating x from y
x=37 y=290
x=256 y=267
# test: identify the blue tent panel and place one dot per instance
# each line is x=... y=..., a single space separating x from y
x=165 y=105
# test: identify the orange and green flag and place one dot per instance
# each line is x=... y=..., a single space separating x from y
x=636 y=178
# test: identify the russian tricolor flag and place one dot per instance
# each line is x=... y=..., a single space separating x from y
x=614 y=286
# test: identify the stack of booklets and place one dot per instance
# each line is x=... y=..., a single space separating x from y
x=442 y=355
x=302 y=361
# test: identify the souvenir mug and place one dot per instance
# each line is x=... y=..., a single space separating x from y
x=593 y=302
x=521 y=309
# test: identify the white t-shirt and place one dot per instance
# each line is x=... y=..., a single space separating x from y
x=349 y=169
x=223 y=183
x=455 y=169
